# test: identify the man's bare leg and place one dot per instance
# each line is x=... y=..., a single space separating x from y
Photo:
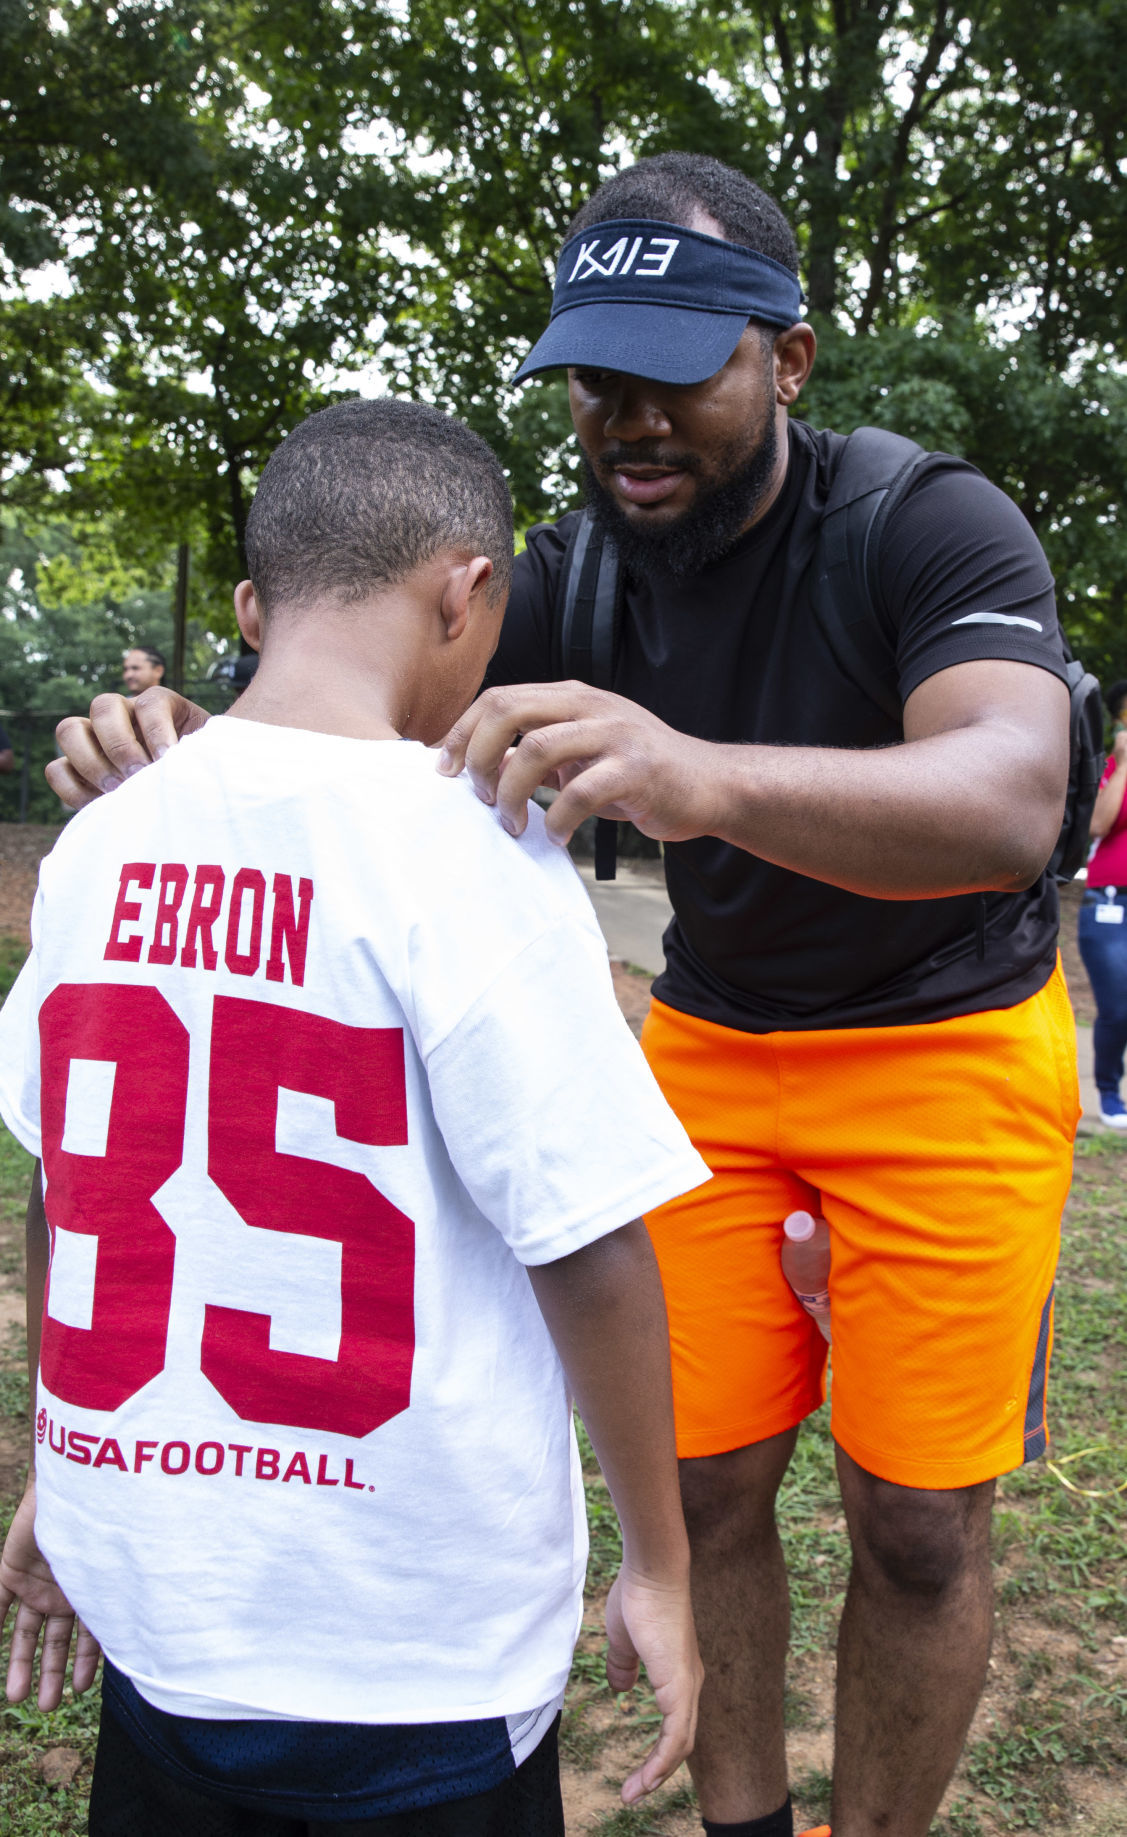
x=913 y=1649
x=742 y=1609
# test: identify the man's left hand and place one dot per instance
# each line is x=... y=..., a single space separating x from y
x=604 y=754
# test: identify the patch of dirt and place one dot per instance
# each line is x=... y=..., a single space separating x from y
x=22 y=848
x=60 y=1765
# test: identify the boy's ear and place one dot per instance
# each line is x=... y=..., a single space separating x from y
x=248 y=614
x=465 y=582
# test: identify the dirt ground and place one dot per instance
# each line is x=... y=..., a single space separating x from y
x=22 y=848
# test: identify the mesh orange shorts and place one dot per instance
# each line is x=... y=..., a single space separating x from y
x=941 y=1156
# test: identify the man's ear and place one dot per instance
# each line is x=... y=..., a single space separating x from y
x=466 y=583
x=794 y=359
x=249 y=614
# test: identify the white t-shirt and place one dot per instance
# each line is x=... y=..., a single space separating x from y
x=326 y=1058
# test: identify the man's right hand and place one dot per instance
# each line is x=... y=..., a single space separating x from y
x=122 y=734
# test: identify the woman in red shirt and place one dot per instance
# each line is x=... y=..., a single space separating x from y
x=1103 y=921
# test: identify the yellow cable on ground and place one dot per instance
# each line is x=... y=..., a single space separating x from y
x=1086 y=1492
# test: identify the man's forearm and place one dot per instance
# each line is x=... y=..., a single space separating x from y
x=927 y=819
x=605 y=1310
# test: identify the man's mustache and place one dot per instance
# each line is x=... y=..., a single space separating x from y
x=647 y=454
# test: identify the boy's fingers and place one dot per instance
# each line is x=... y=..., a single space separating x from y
x=622 y=1668
x=53 y=1659
x=674 y=1744
x=21 y=1656
x=86 y=1656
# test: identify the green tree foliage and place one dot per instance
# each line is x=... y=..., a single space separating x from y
x=252 y=201
x=72 y=601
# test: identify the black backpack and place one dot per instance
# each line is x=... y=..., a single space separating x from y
x=873 y=474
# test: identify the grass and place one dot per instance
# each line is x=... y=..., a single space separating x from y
x=1059 y=1706
x=12 y=954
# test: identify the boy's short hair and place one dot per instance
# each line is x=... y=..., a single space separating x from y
x=363 y=493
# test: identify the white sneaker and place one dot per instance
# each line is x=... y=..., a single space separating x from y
x=1113 y=1112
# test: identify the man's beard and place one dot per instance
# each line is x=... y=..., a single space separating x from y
x=717 y=517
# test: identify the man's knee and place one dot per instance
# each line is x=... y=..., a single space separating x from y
x=917 y=1542
x=729 y=1499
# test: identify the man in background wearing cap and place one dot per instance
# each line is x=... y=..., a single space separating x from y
x=860 y=1013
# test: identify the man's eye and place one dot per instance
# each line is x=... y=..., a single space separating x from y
x=591 y=379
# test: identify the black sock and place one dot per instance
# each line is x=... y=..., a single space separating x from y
x=777 y=1824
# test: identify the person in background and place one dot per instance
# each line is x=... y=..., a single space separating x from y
x=7 y=756
x=1103 y=919
x=142 y=667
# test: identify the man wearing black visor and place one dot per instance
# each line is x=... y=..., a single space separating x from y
x=860 y=1014
x=858 y=780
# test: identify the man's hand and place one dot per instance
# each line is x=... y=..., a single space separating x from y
x=654 y=1623
x=604 y=755
x=25 y=1578
x=122 y=734
x=970 y=802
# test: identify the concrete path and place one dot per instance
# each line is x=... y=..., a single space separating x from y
x=634 y=910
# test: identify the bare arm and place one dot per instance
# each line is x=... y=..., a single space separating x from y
x=7 y=759
x=606 y=1313
x=971 y=801
x=25 y=1575
x=1109 y=798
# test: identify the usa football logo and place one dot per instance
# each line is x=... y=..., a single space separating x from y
x=41 y=1425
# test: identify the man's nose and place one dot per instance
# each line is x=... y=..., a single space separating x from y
x=635 y=412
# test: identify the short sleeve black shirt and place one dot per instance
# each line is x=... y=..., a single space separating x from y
x=735 y=655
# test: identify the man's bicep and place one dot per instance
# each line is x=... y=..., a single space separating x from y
x=992 y=691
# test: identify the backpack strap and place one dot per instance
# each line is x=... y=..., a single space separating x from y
x=875 y=470
x=586 y=636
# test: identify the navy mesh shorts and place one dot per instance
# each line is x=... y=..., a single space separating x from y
x=133 y=1797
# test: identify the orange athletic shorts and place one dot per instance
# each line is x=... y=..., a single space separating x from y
x=941 y=1156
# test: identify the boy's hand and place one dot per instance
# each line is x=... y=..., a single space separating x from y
x=653 y=1623
x=123 y=734
x=25 y=1577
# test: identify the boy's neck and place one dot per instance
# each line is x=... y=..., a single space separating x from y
x=325 y=688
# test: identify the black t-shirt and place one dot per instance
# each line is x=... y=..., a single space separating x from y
x=735 y=655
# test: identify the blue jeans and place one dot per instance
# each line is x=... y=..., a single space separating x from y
x=1104 y=950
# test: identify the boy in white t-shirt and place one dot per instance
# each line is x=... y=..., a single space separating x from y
x=340 y=1129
